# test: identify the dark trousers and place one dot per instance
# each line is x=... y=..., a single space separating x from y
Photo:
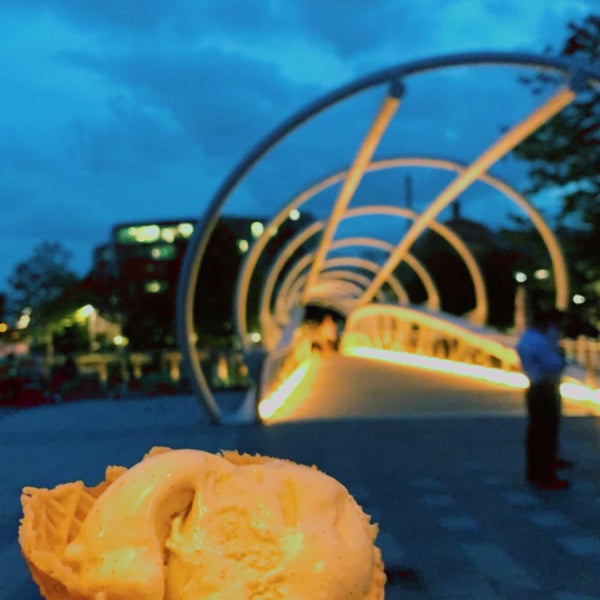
x=558 y=417
x=542 y=430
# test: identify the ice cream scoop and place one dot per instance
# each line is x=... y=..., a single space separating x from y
x=187 y=524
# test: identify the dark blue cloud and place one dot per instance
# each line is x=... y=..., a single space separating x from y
x=130 y=140
x=218 y=100
x=142 y=15
x=379 y=25
x=147 y=18
x=110 y=107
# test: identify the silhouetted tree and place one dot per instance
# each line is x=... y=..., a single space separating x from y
x=42 y=279
x=565 y=155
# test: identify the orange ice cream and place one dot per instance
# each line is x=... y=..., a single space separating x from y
x=187 y=524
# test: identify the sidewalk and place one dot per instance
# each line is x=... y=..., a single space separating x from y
x=456 y=518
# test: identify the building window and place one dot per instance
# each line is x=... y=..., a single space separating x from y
x=168 y=234
x=141 y=234
x=185 y=229
x=153 y=286
x=163 y=252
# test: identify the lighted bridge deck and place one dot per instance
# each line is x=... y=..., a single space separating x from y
x=337 y=386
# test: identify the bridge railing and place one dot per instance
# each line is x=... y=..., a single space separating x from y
x=584 y=352
x=283 y=361
x=417 y=331
x=405 y=329
x=280 y=365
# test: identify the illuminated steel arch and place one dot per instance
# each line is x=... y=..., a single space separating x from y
x=479 y=315
x=433 y=299
x=343 y=275
x=295 y=275
x=274 y=273
x=559 y=267
x=331 y=285
x=285 y=302
x=576 y=74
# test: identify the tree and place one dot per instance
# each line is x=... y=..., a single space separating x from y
x=564 y=155
x=43 y=277
x=41 y=282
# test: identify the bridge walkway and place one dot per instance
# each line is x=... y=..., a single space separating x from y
x=338 y=386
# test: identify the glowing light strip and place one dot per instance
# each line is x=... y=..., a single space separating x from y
x=449 y=325
x=580 y=392
x=441 y=365
x=270 y=404
x=572 y=390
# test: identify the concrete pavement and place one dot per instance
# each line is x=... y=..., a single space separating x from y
x=456 y=518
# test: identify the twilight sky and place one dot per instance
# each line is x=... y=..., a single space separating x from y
x=115 y=111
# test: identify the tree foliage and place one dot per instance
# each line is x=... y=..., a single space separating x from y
x=41 y=281
x=564 y=157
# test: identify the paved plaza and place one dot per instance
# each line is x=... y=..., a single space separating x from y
x=456 y=517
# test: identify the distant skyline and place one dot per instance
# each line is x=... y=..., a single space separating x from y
x=137 y=111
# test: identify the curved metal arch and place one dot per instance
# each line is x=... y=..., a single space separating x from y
x=197 y=245
x=412 y=261
x=556 y=257
x=345 y=275
x=325 y=296
x=342 y=304
x=433 y=299
x=335 y=285
x=480 y=312
x=433 y=296
x=295 y=274
x=294 y=281
x=286 y=301
x=266 y=315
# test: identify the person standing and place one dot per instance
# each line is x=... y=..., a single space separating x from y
x=543 y=363
x=556 y=324
x=329 y=334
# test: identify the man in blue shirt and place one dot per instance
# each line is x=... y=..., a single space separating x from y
x=543 y=362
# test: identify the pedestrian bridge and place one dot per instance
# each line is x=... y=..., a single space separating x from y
x=395 y=360
x=350 y=244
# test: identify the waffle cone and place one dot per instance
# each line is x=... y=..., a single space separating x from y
x=51 y=519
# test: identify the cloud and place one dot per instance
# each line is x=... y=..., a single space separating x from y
x=115 y=110
x=380 y=33
x=145 y=15
x=220 y=100
x=354 y=29
x=132 y=139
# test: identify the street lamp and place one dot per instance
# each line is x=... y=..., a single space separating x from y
x=520 y=277
x=88 y=313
